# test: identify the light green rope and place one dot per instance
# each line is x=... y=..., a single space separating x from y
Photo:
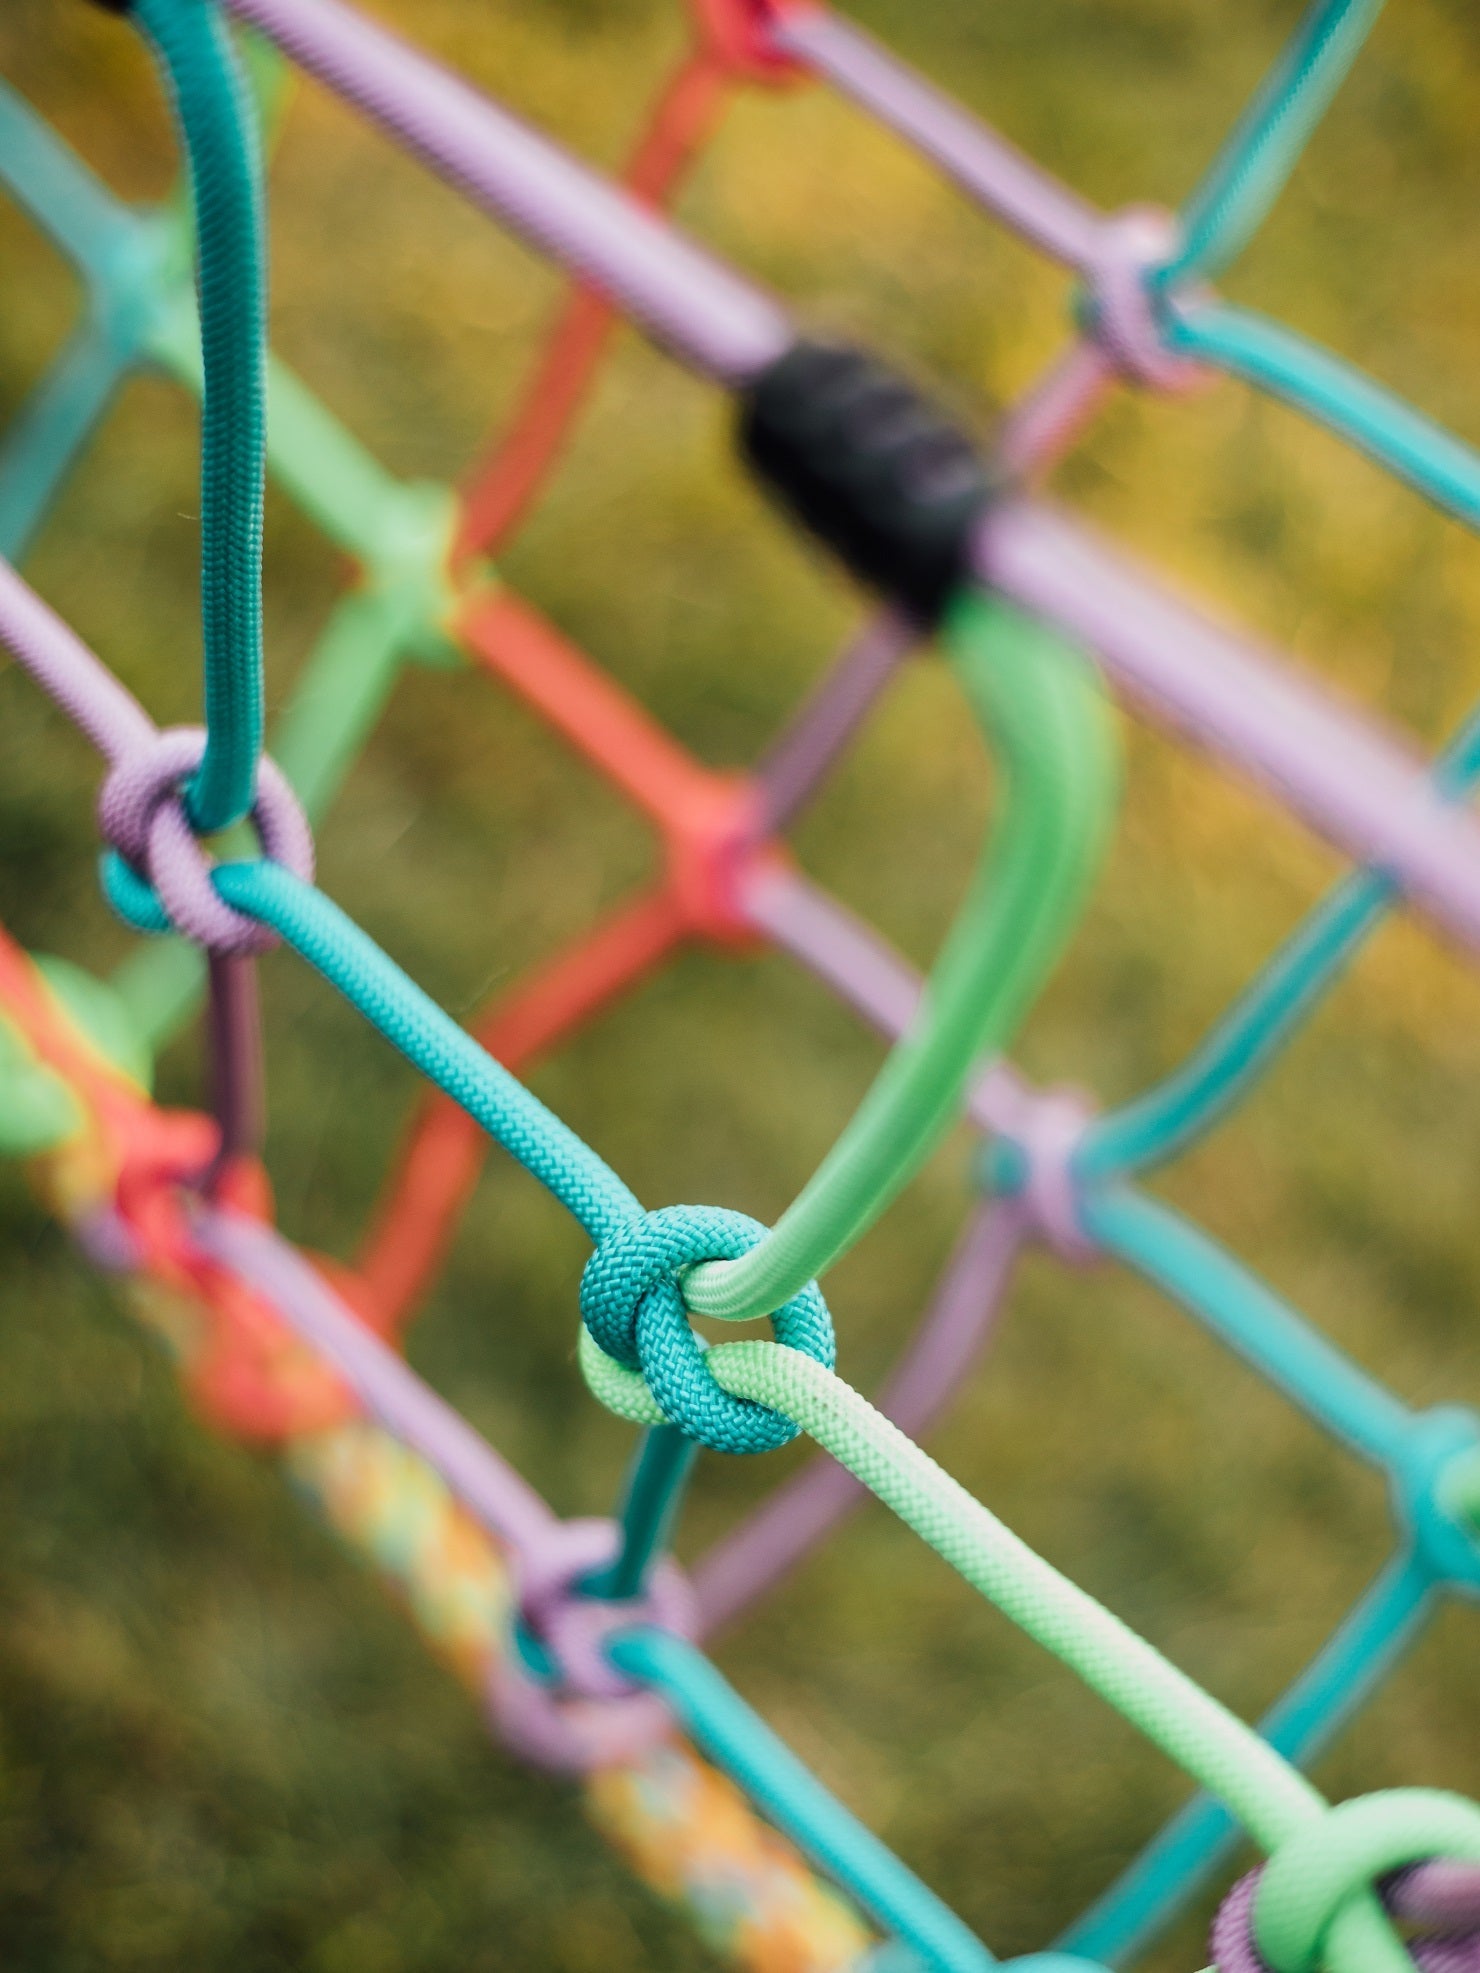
x=1271 y=1798
x=1049 y=726
x=1316 y=1904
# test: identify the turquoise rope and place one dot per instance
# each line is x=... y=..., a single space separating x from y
x=1138 y=1908
x=650 y=1502
x=49 y=431
x=218 y=125
x=1247 y=1315
x=411 y=1020
x=1287 y=366
x=791 y=1797
x=1175 y=1113
x=1253 y=167
x=47 y=179
x=119 y=256
x=1170 y=1117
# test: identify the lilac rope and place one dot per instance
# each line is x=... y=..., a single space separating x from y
x=1114 y=252
x=111 y=717
x=1344 y=775
x=238 y=1089
x=142 y=812
x=506 y=1505
x=719 y=323
x=1046 y=420
x=69 y=673
x=1451 y=1900
x=792 y=767
x=1045 y=212
x=1442 y=1895
x=754 y=1557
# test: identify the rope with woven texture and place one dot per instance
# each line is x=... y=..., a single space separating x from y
x=1043 y=710
x=1281 y=1810
x=217 y=123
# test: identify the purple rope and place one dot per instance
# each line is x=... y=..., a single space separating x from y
x=142 y=814
x=719 y=323
x=754 y=1557
x=1443 y=1895
x=1440 y=1893
x=234 y=1043
x=1045 y=212
x=388 y=1387
x=792 y=767
x=69 y=673
x=1344 y=775
x=1114 y=252
x=77 y=681
x=1046 y=420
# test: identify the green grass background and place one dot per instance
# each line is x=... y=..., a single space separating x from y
x=219 y=1746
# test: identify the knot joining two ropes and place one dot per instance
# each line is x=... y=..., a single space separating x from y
x=633 y=1306
x=156 y=875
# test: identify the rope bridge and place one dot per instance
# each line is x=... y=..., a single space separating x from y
x=583 y=1637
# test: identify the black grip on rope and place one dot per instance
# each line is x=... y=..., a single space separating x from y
x=870 y=466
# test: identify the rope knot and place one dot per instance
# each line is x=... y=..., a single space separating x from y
x=574 y=1711
x=1122 y=308
x=1315 y=1904
x=1434 y=1477
x=633 y=1307
x=156 y=876
x=1034 y=1161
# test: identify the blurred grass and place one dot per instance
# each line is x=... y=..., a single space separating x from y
x=218 y=1746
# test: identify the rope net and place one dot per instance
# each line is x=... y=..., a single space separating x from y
x=583 y=1636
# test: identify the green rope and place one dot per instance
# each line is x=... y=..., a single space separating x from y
x=1315 y=1904
x=1271 y=1798
x=1043 y=710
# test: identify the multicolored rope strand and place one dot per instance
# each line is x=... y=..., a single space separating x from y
x=583 y=1636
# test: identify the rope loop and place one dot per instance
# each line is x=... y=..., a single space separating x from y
x=156 y=875
x=1123 y=307
x=633 y=1307
x=576 y=1711
x=1288 y=1916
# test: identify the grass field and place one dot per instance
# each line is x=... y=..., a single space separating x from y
x=219 y=1745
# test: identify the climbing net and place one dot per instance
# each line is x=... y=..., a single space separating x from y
x=584 y=1635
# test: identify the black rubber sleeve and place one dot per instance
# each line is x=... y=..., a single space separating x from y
x=871 y=467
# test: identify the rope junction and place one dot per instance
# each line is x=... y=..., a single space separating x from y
x=583 y=1636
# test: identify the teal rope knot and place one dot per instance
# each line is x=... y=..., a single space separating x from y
x=633 y=1306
